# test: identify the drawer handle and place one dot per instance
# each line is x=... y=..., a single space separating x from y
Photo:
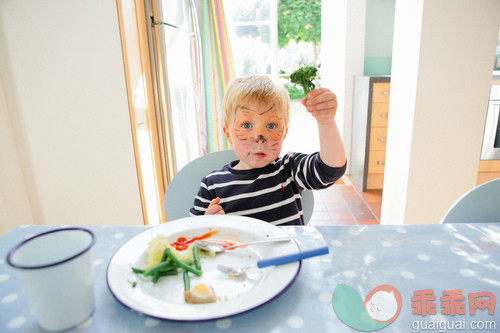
x=385 y=92
x=381 y=162
x=384 y=115
x=382 y=139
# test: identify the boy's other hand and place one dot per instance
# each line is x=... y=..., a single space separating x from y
x=322 y=104
x=214 y=207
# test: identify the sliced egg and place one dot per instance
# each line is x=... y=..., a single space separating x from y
x=201 y=293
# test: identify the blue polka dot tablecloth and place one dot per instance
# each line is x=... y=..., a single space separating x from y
x=411 y=278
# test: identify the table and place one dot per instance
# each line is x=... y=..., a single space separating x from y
x=419 y=261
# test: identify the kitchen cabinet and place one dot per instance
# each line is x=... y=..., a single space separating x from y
x=369 y=132
x=489 y=165
x=488 y=170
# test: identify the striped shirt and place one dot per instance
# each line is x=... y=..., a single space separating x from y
x=271 y=193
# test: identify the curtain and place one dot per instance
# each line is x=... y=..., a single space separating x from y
x=217 y=71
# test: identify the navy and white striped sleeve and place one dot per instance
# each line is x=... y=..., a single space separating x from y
x=311 y=173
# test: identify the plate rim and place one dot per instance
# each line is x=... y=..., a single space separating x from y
x=208 y=317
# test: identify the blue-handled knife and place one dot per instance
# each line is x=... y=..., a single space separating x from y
x=292 y=257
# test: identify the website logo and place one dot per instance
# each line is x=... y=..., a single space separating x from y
x=453 y=305
x=380 y=307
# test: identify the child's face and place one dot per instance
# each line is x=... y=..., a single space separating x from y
x=256 y=132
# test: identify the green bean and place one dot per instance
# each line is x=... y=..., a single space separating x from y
x=187 y=283
x=156 y=274
x=137 y=270
x=163 y=257
x=163 y=266
x=196 y=257
x=167 y=273
x=181 y=264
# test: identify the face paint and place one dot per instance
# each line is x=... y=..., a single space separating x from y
x=257 y=124
x=256 y=133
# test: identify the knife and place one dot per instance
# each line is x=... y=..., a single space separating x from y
x=292 y=257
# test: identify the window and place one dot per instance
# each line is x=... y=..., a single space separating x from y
x=252 y=26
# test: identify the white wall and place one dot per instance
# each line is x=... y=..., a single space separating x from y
x=66 y=146
x=441 y=73
x=379 y=37
x=379 y=28
x=14 y=203
x=342 y=57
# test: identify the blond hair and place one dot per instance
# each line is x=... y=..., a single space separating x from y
x=255 y=88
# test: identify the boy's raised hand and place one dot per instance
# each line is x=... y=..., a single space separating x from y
x=322 y=104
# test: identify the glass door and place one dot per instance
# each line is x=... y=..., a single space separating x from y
x=175 y=60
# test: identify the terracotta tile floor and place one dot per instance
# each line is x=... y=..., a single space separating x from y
x=345 y=204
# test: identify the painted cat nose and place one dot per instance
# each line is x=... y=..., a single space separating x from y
x=260 y=137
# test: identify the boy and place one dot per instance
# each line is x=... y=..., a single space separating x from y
x=261 y=184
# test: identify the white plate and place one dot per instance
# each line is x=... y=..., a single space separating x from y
x=165 y=299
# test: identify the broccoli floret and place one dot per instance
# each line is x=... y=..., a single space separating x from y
x=304 y=76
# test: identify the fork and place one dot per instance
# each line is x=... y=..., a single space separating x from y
x=237 y=271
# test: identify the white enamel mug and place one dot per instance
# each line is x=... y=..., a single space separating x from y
x=56 y=271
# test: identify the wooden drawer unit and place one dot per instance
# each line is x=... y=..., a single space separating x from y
x=380 y=92
x=380 y=114
x=376 y=162
x=378 y=138
x=369 y=135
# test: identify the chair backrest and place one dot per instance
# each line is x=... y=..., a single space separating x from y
x=480 y=204
x=181 y=191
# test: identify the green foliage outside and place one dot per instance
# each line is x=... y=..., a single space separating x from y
x=294 y=92
x=299 y=20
